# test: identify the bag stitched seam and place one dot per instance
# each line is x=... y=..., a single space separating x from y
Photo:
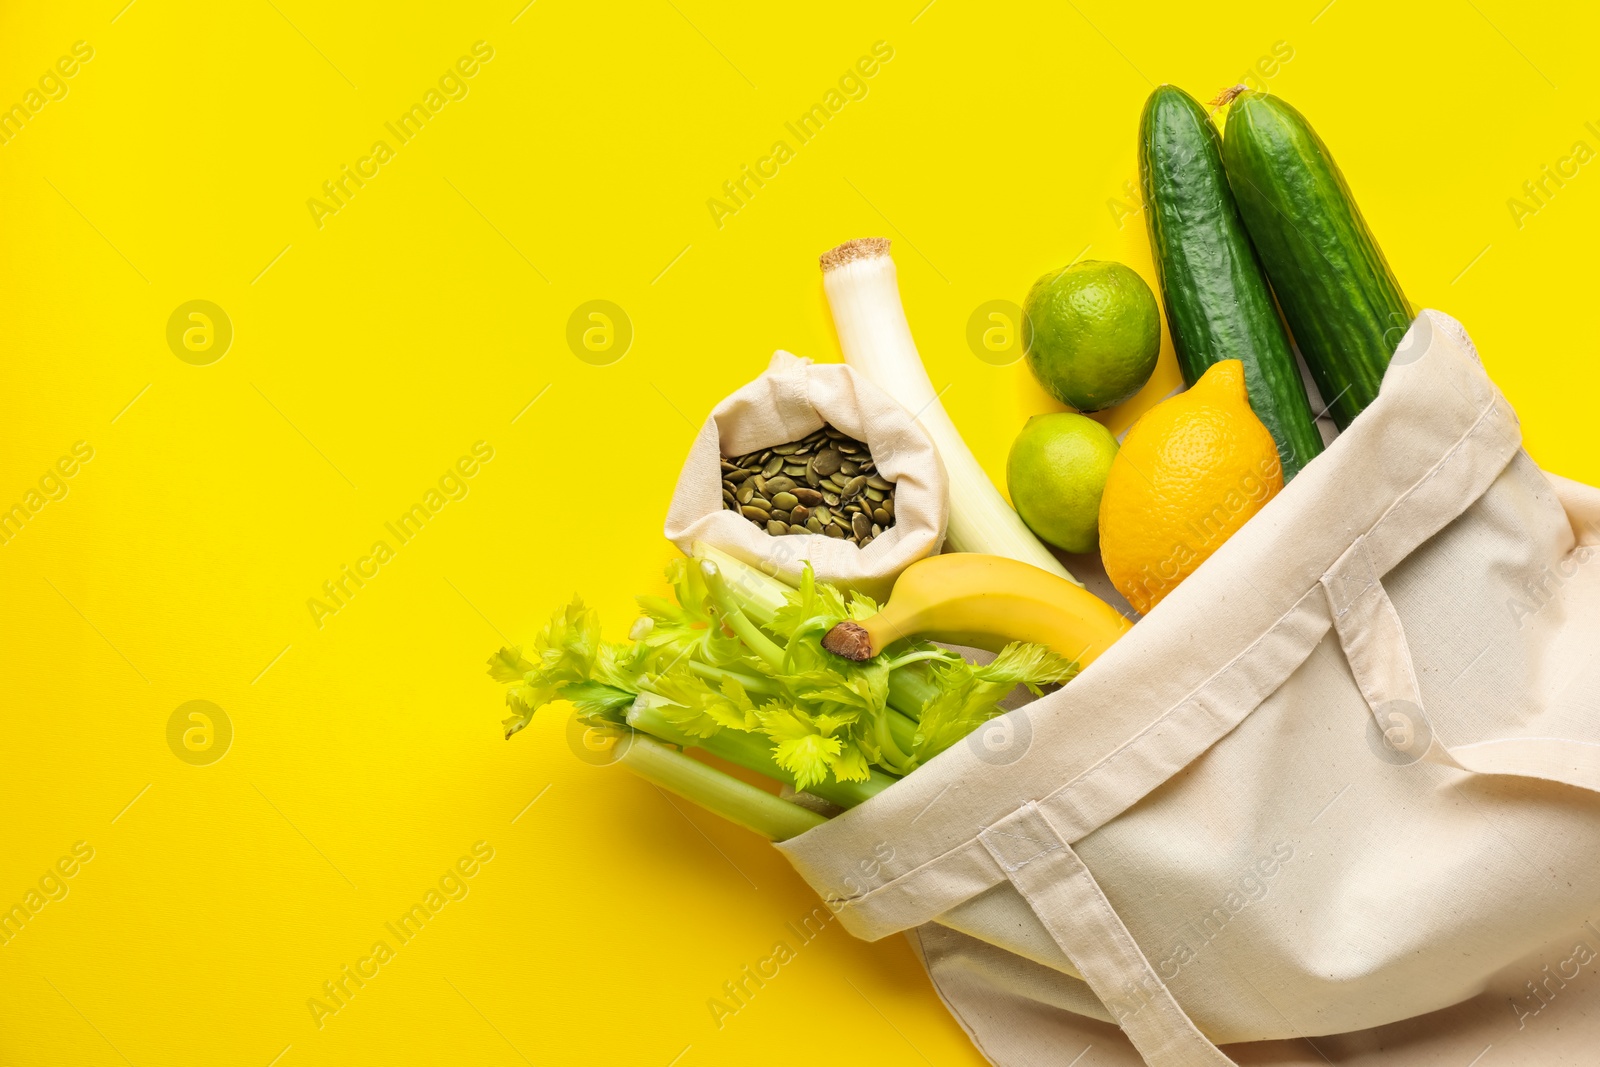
x=994 y=832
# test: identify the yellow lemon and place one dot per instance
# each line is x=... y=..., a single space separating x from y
x=1193 y=469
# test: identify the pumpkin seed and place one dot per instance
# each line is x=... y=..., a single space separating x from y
x=824 y=483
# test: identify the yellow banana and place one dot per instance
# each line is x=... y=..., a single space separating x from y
x=967 y=598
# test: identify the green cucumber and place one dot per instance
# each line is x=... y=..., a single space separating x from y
x=1217 y=300
x=1337 y=292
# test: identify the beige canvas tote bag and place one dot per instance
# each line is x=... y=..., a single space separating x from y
x=1342 y=777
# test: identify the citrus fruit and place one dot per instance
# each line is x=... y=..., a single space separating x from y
x=1192 y=470
x=1056 y=472
x=1095 y=333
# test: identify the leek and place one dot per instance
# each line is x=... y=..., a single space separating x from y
x=863 y=292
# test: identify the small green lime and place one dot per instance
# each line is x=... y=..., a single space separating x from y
x=1056 y=472
x=1096 y=333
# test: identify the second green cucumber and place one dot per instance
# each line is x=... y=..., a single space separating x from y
x=1340 y=297
x=1218 y=303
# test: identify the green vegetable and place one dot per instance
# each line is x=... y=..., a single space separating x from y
x=968 y=694
x=1337 y=291
x=1218 y=303
x=734 y=800
x=751 y=751
x=733 y=664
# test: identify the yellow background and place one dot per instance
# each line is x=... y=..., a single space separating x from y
x=424 y=316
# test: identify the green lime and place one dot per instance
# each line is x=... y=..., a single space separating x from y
x=1096 y=333
x=1056 y=472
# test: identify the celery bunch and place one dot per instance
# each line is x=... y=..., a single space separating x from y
x=733 y=664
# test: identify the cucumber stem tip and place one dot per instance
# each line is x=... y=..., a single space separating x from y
x=1227 y=95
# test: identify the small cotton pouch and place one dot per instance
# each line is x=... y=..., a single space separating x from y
x=793 y=398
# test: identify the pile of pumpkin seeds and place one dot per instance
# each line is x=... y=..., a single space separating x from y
x=826 y=483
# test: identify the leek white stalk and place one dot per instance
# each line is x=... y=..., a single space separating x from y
x=864 y=294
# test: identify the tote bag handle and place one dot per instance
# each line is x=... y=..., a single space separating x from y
x=1069 y=902
x=1374 y=642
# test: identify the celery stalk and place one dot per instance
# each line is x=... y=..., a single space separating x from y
x=750 y=682
x=733 y=615
x=760 y=594
x=721 y=794
x=910 y=689
x=753 y=752
x=901 y=727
